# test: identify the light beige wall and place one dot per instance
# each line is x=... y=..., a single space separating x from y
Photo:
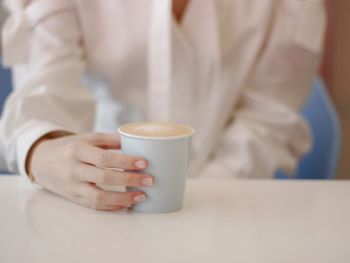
x=340 y=75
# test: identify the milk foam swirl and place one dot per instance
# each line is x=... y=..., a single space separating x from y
x=156 y=129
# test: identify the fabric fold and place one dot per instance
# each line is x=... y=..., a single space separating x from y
x=24 y=15
x=160 y=61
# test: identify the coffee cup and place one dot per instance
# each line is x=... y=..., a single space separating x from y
x=166 y=147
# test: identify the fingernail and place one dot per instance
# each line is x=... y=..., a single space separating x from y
x=139 y=198
x=141 y=164
x=147 y=181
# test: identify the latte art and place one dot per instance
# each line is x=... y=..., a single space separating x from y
x=156 y=129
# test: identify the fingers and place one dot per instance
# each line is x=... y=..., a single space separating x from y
x=104 y=158
x=85 y=202
x=103 y=200
x=103 y=140
x=97 y=175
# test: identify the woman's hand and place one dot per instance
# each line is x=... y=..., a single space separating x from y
x=71 y=166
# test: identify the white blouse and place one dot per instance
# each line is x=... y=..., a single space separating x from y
x=236 y=70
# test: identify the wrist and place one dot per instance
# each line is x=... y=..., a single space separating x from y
x=44 y=138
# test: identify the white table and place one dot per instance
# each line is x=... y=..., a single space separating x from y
x=222 y=221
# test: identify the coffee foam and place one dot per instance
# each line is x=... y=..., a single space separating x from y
x=156 y=129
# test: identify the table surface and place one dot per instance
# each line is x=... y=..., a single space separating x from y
x=222 y=221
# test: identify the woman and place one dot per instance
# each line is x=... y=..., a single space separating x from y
x=236 y=70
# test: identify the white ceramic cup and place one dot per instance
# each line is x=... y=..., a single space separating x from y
x=168 y=159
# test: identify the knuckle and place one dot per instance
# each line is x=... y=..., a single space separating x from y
x=132 y=179
x=128 y=178
x=128 y=199
x=122 y=161
x=106 y=177
x=97 y=137
x=102 y=159
x=100 y=198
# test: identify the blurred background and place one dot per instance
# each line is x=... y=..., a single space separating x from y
x=335 y=71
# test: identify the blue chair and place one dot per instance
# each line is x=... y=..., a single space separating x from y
x=322 y=161
x=5 y=85
x=5 y=89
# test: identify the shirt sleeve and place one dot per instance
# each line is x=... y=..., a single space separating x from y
x=42 y=41
x=267 y=132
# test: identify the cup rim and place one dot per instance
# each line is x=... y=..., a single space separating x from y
x=158 y=138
